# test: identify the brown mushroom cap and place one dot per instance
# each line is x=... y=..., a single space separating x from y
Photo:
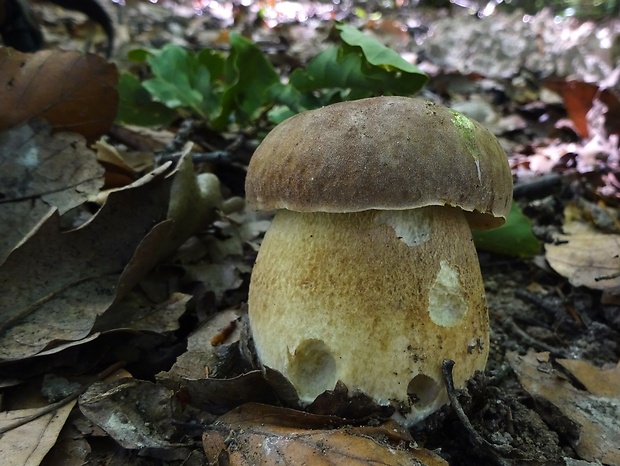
x=384 y=153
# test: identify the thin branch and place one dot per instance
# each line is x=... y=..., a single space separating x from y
x=474 y=435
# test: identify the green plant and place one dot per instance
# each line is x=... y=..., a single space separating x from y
x=240 y=86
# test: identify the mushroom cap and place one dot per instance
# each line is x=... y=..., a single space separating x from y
x=383 y=153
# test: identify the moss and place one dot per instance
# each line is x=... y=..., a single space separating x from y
x=467 y=131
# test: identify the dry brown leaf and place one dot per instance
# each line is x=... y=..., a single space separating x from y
x=578 y=97
x=145 y=140
x=599 y=382
x=39 y=171
x=213 y=350
x=73 y=91
x=28 y=444
x=591 y=421
x=200 y=359
x=118 y=172
x=136 y=312
x=71 y=448
x=56 y=283
x=268 y=435
x=220 y=395
x=586 y=256
x=137 y=414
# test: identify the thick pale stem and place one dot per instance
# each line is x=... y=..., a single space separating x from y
x=375 y=299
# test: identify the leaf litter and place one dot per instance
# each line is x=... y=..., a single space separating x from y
x=261 y=434
x=38 y=172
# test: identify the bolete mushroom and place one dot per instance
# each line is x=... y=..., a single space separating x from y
x=368 y=274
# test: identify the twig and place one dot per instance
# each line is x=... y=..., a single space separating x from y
x=533 y=342
x=479 y=440
x=216 y=156
x=538 y=188
x=59 y=404
x=536 y=300
x=607 y=277
x=181 y=138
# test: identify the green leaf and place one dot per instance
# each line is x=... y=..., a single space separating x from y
x=361 y=66
x=328 y=70
x=136 y=107
x=279 y=113
x=243 y=86
x=248 y=76
x=289 y=95
x=180 y=80
x=214 y=61
x=376 y=53
x=140 y=55
x=514 y=238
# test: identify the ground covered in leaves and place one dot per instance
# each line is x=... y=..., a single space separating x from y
x=125 y=260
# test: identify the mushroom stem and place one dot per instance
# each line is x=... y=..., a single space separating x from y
x=375 y=299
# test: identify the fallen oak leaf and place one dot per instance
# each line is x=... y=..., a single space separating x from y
x=68 y=278
x=24 y=418
x=599 y=382
x=201 y=359
x=36 y=164
x=578 y=99
x=586 y=256
x=268 y=435
x=137 y=313
x=58 y=283
x=219 y=395
x=38 y=171
x=73 y=91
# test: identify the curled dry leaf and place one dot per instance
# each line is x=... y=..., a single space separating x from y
x=212 y=352
x=586 y=256
x=137 y=414
x=118 y=172
x=39 y=171
x=56 y=283
x=578 y=97
x=589 y=419
x=599 y=382
x=202 y=356
x=29 y=443
x=73 y=91
x=137 y=312
x=267 y=435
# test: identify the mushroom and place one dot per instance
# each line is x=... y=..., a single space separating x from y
x=368 y=274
